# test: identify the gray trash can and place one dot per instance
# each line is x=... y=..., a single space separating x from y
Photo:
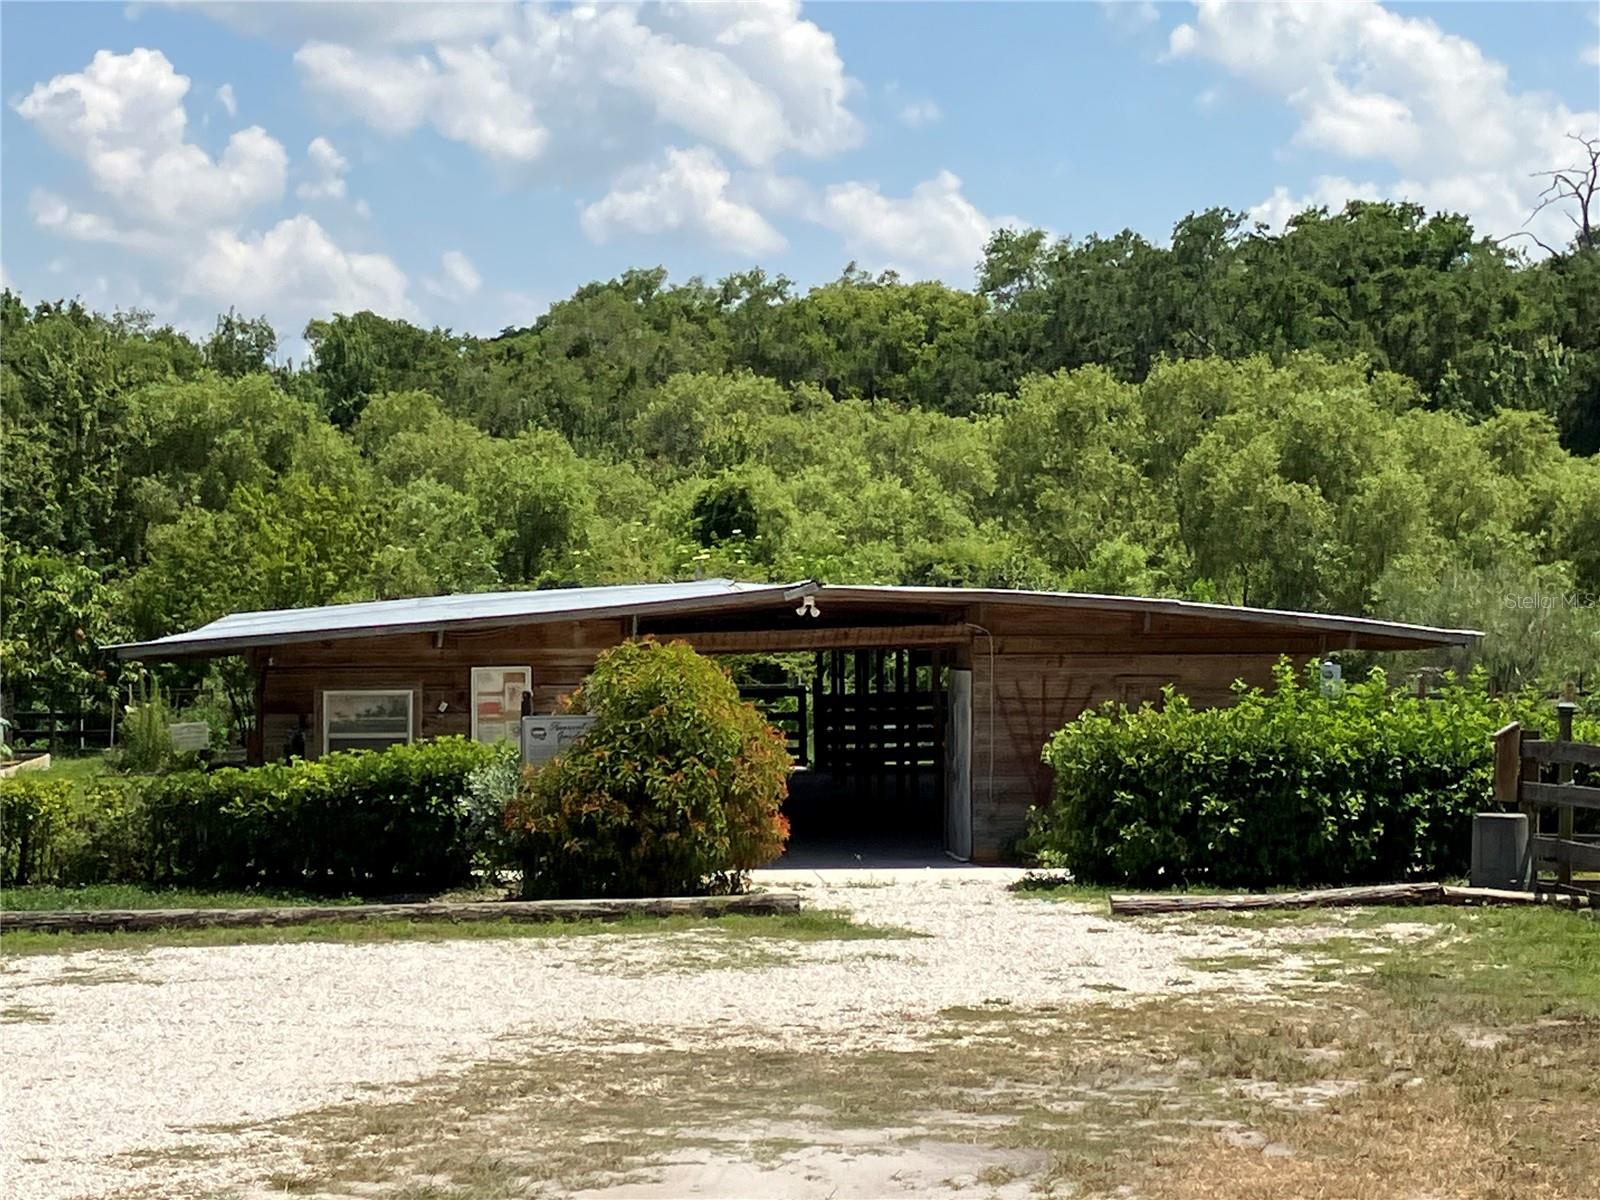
x=1500 y=851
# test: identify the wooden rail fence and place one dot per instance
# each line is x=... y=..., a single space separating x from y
x=1536 y=775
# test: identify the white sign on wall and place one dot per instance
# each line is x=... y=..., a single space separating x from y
x=545 y=737
x=497 y=701
x=190 y=736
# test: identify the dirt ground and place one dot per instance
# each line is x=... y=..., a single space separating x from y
x=995 y=1043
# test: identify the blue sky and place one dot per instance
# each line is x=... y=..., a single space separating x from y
x=466 y=164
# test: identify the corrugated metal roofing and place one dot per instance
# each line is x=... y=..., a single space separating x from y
x=244 y=630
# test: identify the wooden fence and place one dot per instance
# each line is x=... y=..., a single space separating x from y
x=1536 y=775
x=784 y=706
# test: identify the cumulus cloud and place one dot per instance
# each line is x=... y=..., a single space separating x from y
x=123 y=117
x=294 y=264
x=466 y=94
x=756 y=81
x=458 y=279
x=935 y=229
x=327 y=172
x=225 y=98
x=686 y=190
x=1371 y=84
x=175 y=207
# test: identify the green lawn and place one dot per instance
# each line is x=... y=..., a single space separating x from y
x=44 y=898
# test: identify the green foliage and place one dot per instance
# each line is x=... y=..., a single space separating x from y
x=1283 y=787
x=675 y=789
x=1374 y=412
x=34 y=817
x=144 y=736
x=356 y=821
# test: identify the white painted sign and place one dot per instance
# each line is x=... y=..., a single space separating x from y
x=190 y=736
x=545 y=737
x=1332 y=678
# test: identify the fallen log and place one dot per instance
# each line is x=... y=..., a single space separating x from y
x=109 y=920
x=1390 y=893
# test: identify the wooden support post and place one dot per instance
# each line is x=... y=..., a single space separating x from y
x=1566 y=813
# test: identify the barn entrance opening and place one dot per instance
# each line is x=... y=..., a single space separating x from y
x=870 y=737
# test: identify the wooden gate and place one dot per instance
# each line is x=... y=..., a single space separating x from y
x=879 y=724
x=1536 y=775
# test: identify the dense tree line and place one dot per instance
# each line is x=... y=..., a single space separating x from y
x=1373 y=412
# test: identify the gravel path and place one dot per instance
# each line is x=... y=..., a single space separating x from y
x=112 y=1053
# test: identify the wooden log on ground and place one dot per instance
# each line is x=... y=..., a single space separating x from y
x=1391 y=893
x=1476 y=896
x=108 y=920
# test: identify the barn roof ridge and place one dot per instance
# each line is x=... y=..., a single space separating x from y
x=245 y=630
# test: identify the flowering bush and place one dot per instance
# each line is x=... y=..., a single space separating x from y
x=676 y=789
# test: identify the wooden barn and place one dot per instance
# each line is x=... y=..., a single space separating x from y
x=922 y=716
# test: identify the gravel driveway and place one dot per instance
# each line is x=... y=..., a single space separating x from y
x=110 y=1055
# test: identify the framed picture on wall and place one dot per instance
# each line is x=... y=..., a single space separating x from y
x=497 y=702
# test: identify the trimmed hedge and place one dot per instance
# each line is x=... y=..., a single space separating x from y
x=1282 y=788
x=676 y=789
x=34 y=818
x=359 y=820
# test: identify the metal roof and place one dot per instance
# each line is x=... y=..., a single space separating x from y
x=1325 y=622
x=471 y=610
x=242 y=631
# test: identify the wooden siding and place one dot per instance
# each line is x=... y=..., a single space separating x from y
x=436 y=669
x=1048 y=666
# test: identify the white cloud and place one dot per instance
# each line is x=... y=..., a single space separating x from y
x=755 y=80
x=1332 y=192
x=458 y=279
x=1130 y=15
x=294 y=265
x=934 y=229
x=328 y=167
x=123 y=118
x=181 y=213
x=917 y=113
x=52 y=213
x=686 y=190
x=466 y=94
x=1371 y=84
x=226 y=98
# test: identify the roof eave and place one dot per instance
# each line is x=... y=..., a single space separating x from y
x=187 y=646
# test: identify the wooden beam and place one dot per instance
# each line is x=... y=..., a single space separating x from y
x=1397 y=893
x=1570 y=795
x=1507 y=763
x=1583 y=855
x=755 y=641
x=1577 y=753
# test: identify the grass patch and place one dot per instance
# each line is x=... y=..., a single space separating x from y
x=45 y=898
x=736 y=927
x=76 y=769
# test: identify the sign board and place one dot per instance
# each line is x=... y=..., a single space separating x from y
x=190 y=736
x=1332 y=678
x=497 y=694
x=545 y=737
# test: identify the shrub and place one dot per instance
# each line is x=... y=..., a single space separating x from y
x=34 y=828
x=361 y=820
x=677 y=788
x=491 y=792
x=355 y=820
x=146 y=741
x=1286 y=787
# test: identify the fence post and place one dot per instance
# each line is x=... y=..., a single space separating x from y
x=1566 y=813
